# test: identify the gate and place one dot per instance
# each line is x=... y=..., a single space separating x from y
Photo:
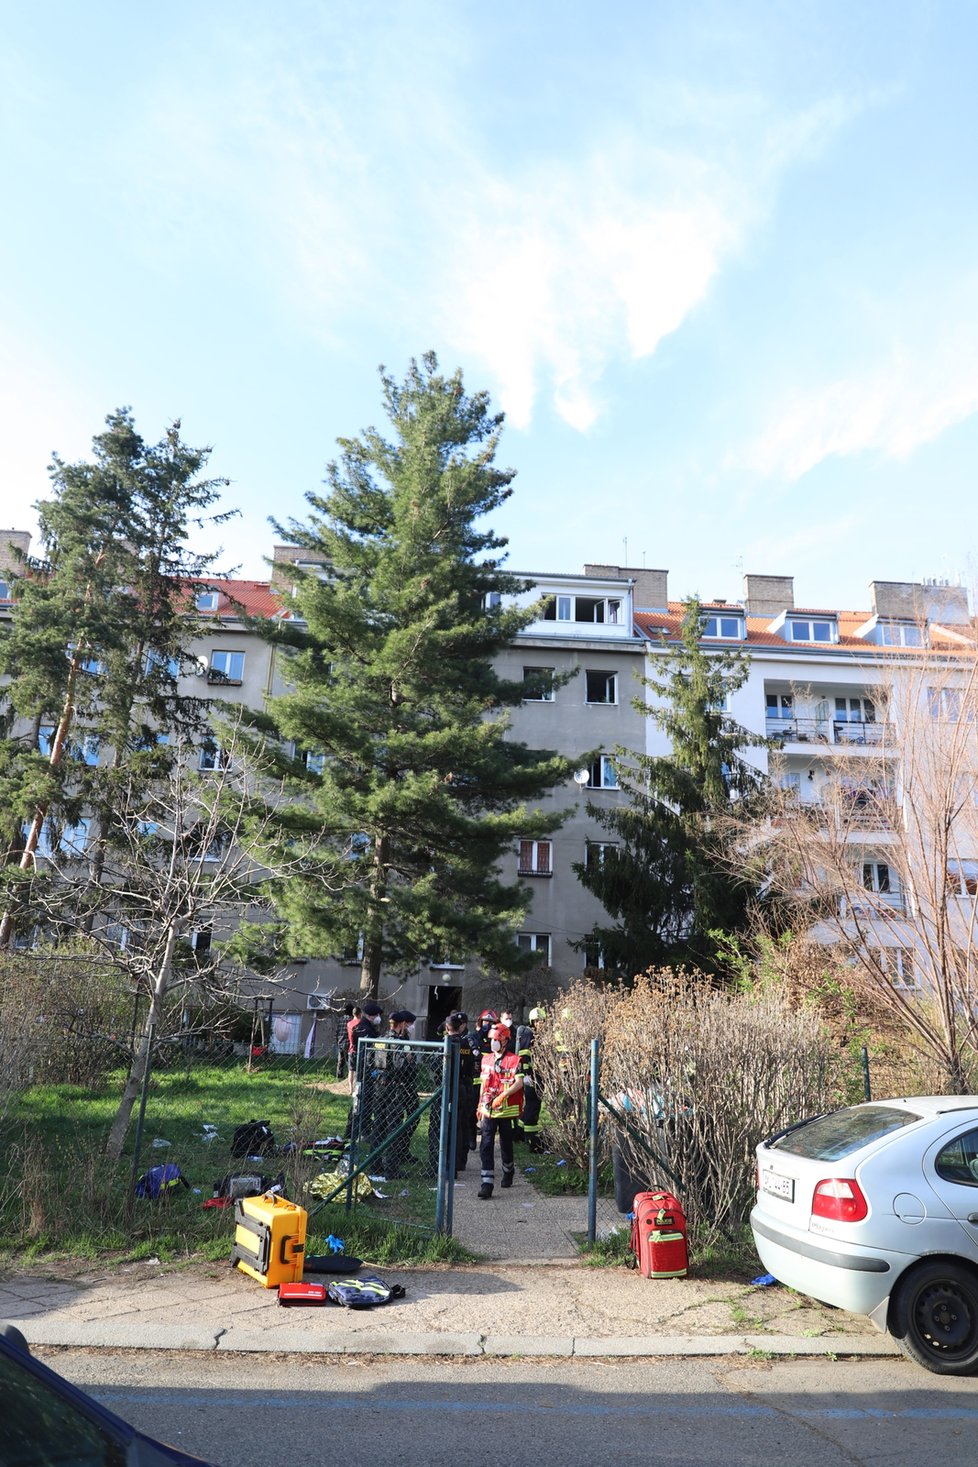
x=399 y=1161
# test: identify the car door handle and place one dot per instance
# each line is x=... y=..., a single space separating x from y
x=973 y=1217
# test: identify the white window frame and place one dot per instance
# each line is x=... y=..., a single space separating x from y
x=723 y=626
x=802 y=629
x=607 y=778
x=535 y=942
x=223 y=674
x=206 y=600
x=596 y=852
x=546 y=695
x=899 y=634
x=565 y=607
x=962 y=878
x=596 y=951
x=611 y=681
x=535 y=858
x=873 y=867
x=212 y=758
x=900 y=966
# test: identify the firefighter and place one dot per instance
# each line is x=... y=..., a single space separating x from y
x=528 y=1125
x=500 y=1102
x=458 y=1143
x=477 y=1043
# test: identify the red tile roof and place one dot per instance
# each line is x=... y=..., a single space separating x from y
x=657 y=625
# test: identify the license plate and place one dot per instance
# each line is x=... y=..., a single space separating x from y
x=778 y=1186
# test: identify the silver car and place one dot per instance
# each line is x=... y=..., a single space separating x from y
x=874 y=1209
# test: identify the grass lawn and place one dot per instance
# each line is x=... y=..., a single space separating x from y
x=59 y=1196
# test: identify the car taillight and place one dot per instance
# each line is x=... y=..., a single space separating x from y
x=841 y=1199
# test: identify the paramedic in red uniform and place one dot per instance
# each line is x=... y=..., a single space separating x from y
x=500 y=1103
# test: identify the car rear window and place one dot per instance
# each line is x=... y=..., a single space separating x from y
x=829 y=1138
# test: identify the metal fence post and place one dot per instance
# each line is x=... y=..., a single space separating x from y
x=446 y=1139
x=592 y=1156
x=867 y=1088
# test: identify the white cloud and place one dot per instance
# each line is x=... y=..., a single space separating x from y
x=892 y=408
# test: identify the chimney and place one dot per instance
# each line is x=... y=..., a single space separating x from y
x=12 y=542
x=651 y=591
x=768 y=595
x=922 y=601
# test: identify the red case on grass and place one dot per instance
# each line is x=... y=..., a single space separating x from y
x=302 y=1293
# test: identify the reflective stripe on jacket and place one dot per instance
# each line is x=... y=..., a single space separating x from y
x=498 y=1072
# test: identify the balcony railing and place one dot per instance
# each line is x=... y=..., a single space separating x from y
x=874 y=904
x=827 y=731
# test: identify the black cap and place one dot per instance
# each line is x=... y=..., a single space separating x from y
x=403 y=1016
x=371 y=1009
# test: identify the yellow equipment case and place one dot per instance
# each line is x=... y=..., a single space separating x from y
x=269 y=1239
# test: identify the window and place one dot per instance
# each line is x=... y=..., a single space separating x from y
x=540 y=684
x=226 y=667
x=593 y=955
x=200 y=940
x=791 y=781
x=958 y=1160
x=4 y=590
x=313 y=761
x=537 y=943
x=600 y=687
x=492 y=600
x=855 y=710
x=600 y=609
x=212 y=756
x=729 y=627
x=946 y=704
x=962 y=878
x=899 y=634
x=156 y=662
x=899 y=966
x=597 y=852
x=45 y=738
x=42 y=1424
x=601 y=774
x=876 y=877
x=87 y=662
x=70 y=841
x=536 y=858
x=779 y=707
x=814 y=630
x=86 y=750
x=206 y=601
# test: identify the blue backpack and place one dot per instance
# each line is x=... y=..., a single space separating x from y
x=365 y=1292
x=160 y=1181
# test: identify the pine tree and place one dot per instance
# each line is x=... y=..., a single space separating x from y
x=414 y=791
x=99 y=638
x=666 y=875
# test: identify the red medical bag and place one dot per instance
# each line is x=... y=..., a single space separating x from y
x=659 y=1236
x=302 y=1294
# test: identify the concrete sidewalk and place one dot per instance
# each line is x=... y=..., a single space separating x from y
x=548 y=1309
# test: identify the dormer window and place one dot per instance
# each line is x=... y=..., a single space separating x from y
x=206 y=601
x=605 y=610
x=729 y=628
x=898 y=634
x=810 y=629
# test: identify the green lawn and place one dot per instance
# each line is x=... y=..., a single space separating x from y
x=60 y=1197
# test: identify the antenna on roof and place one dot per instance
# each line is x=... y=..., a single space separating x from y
x=624 y=541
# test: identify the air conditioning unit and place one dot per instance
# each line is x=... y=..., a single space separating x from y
x=317 y=1001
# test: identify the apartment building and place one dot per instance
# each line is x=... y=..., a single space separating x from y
x=819 y=686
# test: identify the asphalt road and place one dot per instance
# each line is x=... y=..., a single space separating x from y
x=276 y=1411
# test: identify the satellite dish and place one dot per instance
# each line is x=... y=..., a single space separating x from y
x=581 y=776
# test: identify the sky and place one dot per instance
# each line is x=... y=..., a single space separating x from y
x=716 y=262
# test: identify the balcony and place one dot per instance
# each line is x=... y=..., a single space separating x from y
x=852 y=733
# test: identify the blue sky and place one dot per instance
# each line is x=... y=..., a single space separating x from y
x=717 y=262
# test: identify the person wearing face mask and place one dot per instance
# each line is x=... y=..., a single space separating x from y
x=397 y=1095
x=500 y=1103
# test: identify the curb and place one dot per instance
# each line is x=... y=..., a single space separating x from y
x=470 y=1345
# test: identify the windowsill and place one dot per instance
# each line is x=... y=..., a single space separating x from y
x=544 y=874
x=601 y=703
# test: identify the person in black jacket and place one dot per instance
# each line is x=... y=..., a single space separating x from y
x=397 y=1095
x=455 y=1029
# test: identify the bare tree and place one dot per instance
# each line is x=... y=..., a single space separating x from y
x=878 y=854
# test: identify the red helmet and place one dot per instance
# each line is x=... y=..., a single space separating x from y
x=500 y=1032
x=488 y=1017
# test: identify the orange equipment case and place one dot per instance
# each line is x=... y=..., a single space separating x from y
x=269 y=1239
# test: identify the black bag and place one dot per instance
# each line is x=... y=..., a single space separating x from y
x=254 y=1139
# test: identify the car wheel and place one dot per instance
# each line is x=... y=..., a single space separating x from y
x=934 y=1318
